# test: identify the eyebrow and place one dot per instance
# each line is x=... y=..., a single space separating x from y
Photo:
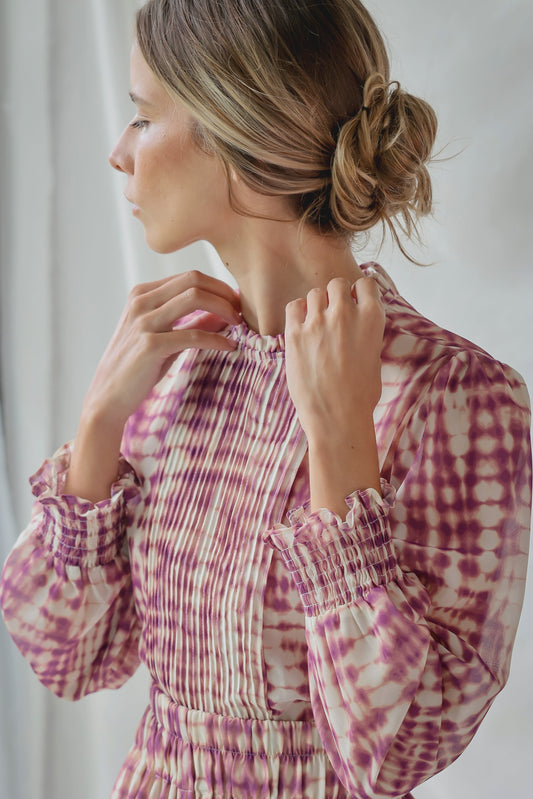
x=139 y=100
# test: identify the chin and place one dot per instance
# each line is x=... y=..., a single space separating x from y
x=165 y=245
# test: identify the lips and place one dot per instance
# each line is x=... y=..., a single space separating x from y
x=135 y=209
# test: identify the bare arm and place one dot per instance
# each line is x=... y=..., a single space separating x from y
x=334 y=340
x=95 y=458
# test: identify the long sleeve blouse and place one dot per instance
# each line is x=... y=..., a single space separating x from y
x=386 y=634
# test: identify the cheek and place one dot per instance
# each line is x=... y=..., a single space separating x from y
x=174 y=175
x=170 y=157
x=158 y=158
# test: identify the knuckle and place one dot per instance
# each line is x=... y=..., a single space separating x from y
x=376 y=310
x=373 y=288
x=192 y=294
x=138 y=303
x=314 y=324
x=194 y=337
x=149 y=341
x=194 y=277
x=147 y=322
x=338 y=282
x=295 y=309
x=137 y=290
x=293 y=304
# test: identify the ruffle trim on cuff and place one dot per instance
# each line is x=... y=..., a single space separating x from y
x=334 y=561
x=76 y=530
x=320 y=527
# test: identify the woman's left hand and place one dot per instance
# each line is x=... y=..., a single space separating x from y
x=333 y=347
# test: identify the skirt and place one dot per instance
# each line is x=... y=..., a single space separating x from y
x=181 y=753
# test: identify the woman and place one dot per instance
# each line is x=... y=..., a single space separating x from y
x=303 y=505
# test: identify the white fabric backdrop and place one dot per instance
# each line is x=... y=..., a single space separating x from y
x=69 y=252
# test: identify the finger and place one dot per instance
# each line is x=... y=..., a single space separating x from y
x=196 y=279
x=202 y=321
x=151 y=285
x=193 y=299
x=339 y=291
x=366 y=290
x=295 y=313
x=152 y=295
x=317 y=301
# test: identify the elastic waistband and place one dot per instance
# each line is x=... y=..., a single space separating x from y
x=263 y=737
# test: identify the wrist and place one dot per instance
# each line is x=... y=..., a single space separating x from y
x=341 y=462
x=98 y=420
x=95 y=457
x=338 y=437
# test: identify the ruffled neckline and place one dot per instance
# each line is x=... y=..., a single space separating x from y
x=250 y=340
x=274 y=345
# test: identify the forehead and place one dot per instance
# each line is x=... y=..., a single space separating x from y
x=151 y=96
x=145 y=87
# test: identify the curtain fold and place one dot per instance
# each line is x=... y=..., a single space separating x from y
x=21 y=700
x=69 y=255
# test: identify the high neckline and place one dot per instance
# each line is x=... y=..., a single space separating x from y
x=250 y=340
x=274 y=345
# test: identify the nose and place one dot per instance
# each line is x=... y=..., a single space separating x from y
x=114 y=161
x=120 y=157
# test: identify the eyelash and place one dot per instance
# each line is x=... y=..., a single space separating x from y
x=139 y=123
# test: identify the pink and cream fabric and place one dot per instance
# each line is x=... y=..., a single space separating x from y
x=292 y=654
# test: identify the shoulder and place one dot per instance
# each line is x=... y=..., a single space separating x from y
x=445 y=402
x=424 y=359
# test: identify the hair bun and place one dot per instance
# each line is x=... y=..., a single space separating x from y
x=270 y=82
x=379 y=171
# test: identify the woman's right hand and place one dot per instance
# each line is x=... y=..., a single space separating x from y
x=141 y=350
x=144 y=344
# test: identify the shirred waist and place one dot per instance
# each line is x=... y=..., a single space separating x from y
x=258 y=737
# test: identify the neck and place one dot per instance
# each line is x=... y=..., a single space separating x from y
x=274 y=263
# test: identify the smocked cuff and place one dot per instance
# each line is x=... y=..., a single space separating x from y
x=334 y=562
x=77 y=531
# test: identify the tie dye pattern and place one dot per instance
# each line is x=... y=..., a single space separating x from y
x=292 y=654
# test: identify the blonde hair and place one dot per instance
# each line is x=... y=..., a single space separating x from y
x=296 y=96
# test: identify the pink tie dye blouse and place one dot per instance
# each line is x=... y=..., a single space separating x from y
x=292 y=654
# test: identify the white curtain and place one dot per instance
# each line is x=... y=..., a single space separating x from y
x=69 y=252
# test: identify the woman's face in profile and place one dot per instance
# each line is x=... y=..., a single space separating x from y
x=178 y=191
